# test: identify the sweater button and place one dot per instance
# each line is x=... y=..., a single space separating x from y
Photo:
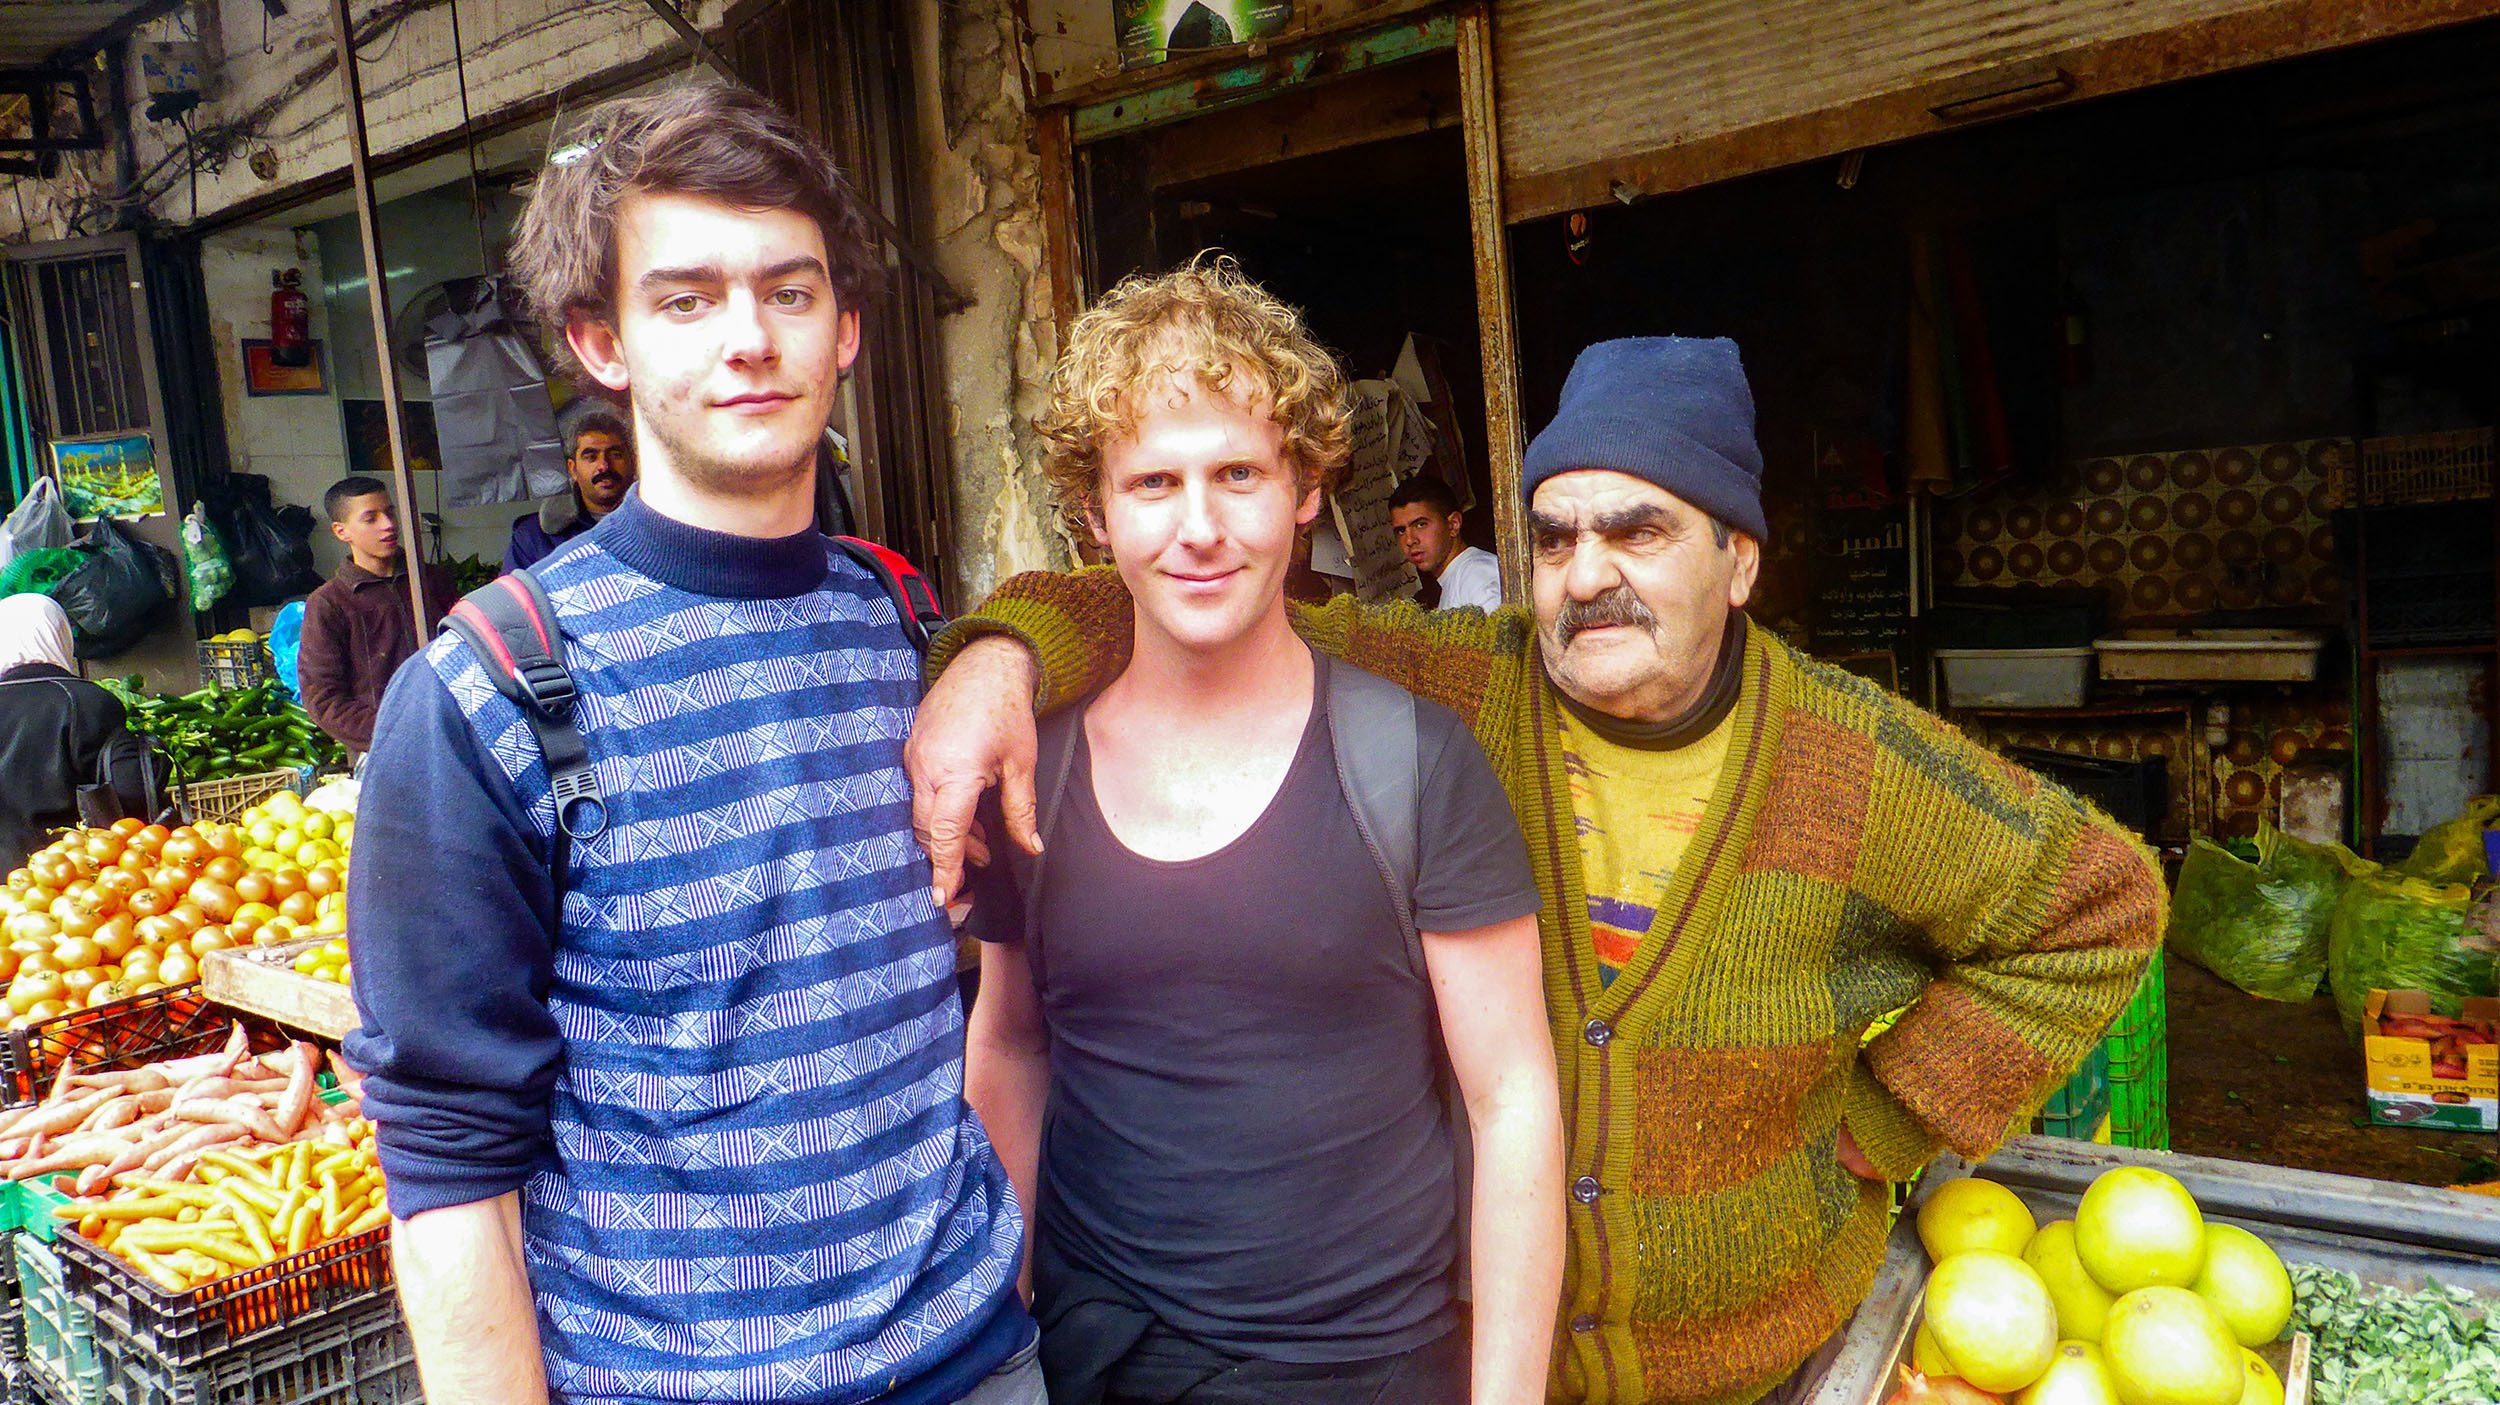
x=1585 y=1190
x=1597 y=1033
x=1585 y=1322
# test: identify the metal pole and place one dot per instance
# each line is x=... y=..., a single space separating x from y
x=377 y=287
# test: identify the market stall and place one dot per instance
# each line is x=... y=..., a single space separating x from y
x=193 y=1206
x=2386 y=1292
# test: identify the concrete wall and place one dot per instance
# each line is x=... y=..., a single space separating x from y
x=292 y=440
x=288 y=105
x=981 y=179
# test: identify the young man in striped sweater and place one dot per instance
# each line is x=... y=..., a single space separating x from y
x=1747 y=857
x=691 y=1128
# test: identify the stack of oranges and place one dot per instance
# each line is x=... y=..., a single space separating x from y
x=101 y=914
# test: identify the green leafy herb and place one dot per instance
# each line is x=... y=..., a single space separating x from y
x=2377 y=1345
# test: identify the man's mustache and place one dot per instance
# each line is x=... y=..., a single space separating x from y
x=1617 y=606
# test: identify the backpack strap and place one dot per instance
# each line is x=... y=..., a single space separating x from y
x=915 y=600
x=1373 y=738
x=511 y=628
x=1054 y=758
x=1377 y=740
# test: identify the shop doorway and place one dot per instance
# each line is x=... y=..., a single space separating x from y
x=1350 y=203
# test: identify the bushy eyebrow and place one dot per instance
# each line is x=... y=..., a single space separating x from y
x=711 y=273
x=1609 y=523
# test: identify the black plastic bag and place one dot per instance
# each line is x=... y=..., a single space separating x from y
x=273 y=563
x=115 y=598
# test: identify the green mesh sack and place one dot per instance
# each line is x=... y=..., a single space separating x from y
x=2393 y=932
x=36 y=572
x=2261 y=926
x=2453 y=852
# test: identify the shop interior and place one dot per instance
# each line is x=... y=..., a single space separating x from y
x=1348 y=201
x=2150 y=441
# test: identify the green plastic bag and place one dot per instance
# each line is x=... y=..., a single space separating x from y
x=2393 y=932
x=2261 y=926
x=204 y=559
x=37 y=571
x=2453 y=852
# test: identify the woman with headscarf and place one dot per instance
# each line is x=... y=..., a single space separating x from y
x=59 y=733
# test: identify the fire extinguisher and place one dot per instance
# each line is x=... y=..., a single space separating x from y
x=290 y=319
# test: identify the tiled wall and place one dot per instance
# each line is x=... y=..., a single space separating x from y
x=2169 y=536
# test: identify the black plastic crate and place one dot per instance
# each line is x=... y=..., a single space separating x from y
x=2135 y=793
x=355 y=1356
x=163 y=1024
x=2416 y=619
x=246 y=1306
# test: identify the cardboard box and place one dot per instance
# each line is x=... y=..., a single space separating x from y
x=2426 y=1070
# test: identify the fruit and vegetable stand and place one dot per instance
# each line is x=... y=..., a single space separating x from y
x=192 y=1211
x=2388 y=1280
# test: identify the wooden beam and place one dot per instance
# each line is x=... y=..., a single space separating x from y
x=377 y=287
x=1377 y=106
x=1497 y=328
x=1062 y=233
x=1261 y=77
x=2260 y=33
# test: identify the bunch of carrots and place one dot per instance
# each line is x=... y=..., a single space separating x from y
x=191 y=1169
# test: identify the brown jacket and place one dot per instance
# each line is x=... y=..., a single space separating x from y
x=357 y=632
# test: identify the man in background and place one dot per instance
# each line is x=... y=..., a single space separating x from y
x=599 y=457
x=1424 y=514
x=358 y=628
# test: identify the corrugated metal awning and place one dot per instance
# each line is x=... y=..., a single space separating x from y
x=34 y=32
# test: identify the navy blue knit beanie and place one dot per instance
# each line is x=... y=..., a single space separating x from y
x=1673 y=410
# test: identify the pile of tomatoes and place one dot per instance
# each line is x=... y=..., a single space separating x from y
x=101 y=914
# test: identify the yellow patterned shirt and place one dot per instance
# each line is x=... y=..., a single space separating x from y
x=1637 y=809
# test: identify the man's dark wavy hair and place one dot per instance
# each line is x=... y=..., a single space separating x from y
x=700 y=139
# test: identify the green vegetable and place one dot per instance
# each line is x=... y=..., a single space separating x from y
x=2377 y=1345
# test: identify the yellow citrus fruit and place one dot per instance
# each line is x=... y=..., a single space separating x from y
x=1973 y=1214
x=2167 y=1346
x=2077 y=1376
x=2138 y=1228
x=2082 y=1305
x=1991 y=1314
x=2246 y=1283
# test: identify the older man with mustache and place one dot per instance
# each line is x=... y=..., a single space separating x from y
x=1747 y=857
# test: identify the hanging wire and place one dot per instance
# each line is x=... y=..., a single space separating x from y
x=468 y=129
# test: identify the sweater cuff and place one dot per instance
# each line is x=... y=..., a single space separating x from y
x=1057 y=641
x=1892 y=1138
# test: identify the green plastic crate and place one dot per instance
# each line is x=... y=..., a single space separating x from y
x=23 y=1206
x=60 y=1331
x=2078 y=1109
x=2139 y=1066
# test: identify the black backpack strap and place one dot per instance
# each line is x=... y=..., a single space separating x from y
x=511 y=628
x=1054 y=758
x=915 y=600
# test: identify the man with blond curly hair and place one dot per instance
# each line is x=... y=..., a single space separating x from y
x=1207 y=1044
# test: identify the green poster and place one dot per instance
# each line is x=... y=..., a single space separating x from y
x=1154 y=30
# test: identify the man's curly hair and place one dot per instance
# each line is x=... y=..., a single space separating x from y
x=1206 y=322
x=697 y=139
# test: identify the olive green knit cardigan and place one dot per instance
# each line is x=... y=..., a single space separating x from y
x=1858 y=855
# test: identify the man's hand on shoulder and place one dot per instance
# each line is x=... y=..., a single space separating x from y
x=1854 y=1161
x=974 y=729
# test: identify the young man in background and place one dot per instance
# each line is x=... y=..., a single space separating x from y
x=1424 y=515
x=689 y=1127
x=1213 y=1001
x=358 y=628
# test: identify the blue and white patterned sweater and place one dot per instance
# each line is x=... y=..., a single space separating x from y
x=728 y=1082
